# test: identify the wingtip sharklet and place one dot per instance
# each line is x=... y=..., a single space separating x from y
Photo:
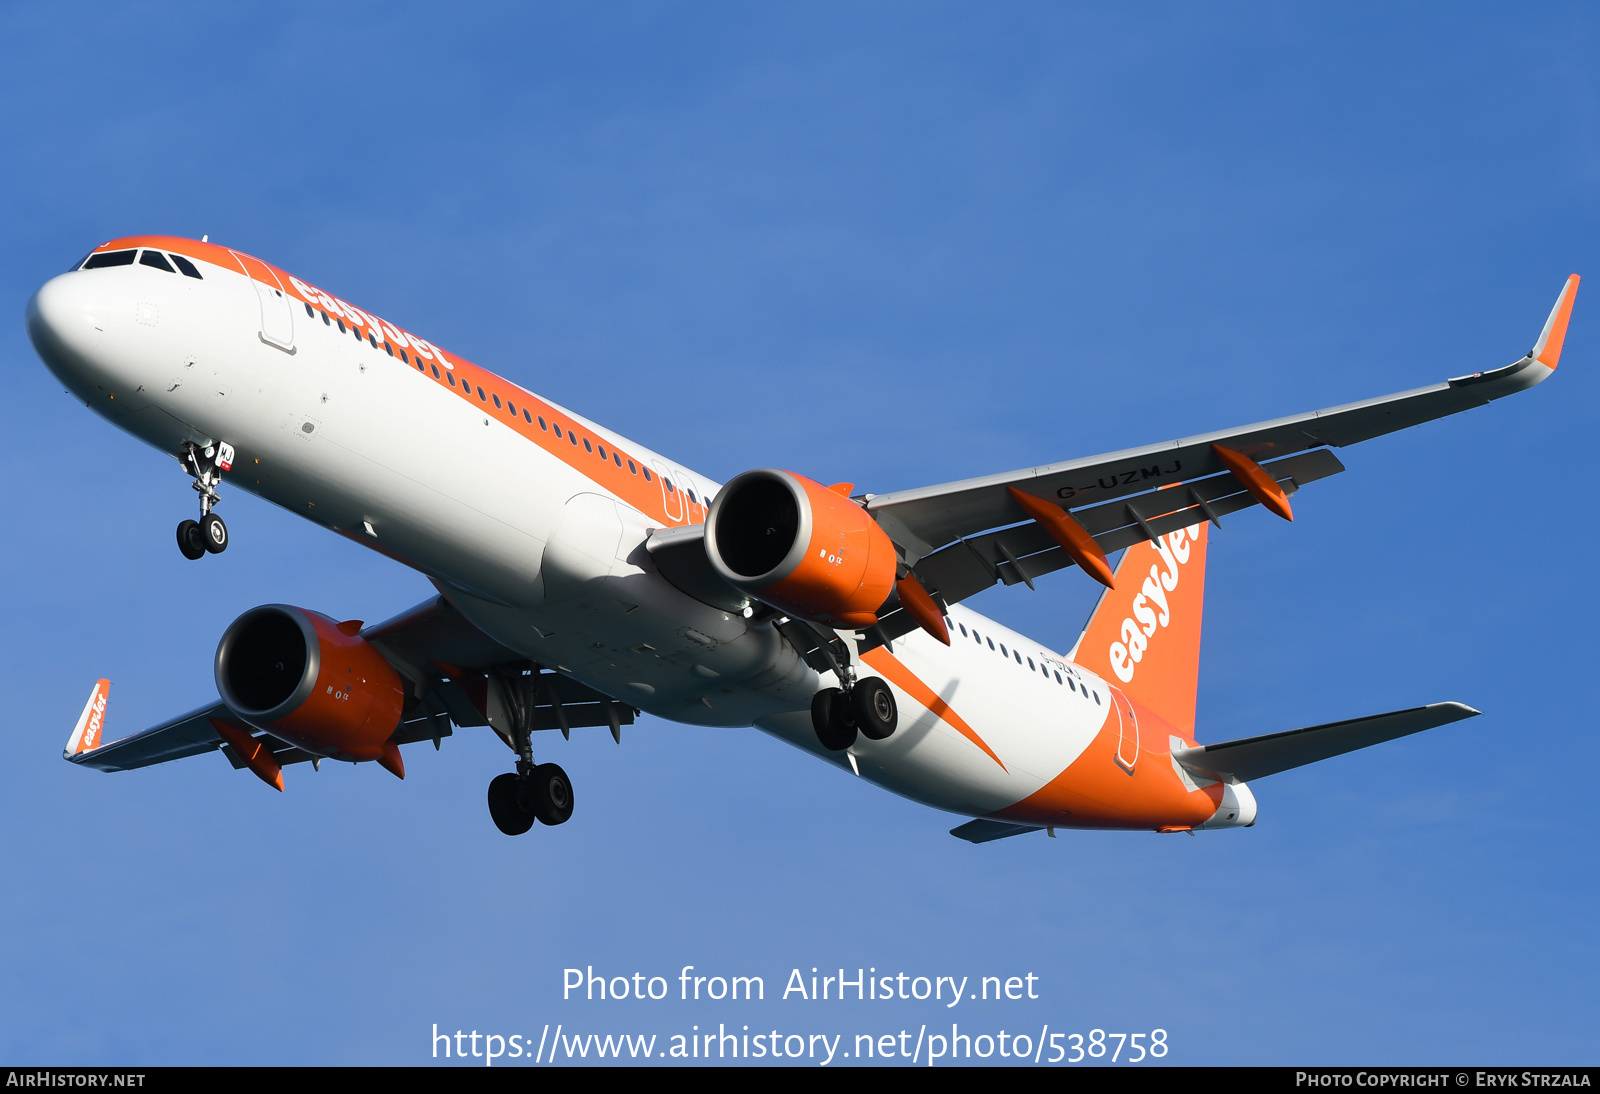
x=1547 y=351
x=90 y=730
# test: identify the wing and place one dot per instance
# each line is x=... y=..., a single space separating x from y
x=458 y=676
x=956 y=536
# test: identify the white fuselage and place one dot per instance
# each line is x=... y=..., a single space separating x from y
x=537 y=540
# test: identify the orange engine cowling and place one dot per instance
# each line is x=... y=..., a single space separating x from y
x=296 y=675
x=793 y=543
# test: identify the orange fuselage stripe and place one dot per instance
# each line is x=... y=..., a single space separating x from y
x=907 y=681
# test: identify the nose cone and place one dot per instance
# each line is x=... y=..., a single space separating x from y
x=65 y=325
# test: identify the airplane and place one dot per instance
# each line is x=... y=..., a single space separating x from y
x=583 y=578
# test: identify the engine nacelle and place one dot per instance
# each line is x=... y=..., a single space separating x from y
x=795 y=544
x=296 y=675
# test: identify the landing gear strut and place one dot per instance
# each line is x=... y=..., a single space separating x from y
x=865 y=706
x=535 y=792
x=208 y=534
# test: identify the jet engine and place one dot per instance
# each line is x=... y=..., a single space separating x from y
x=801 y=547
x=311 y=681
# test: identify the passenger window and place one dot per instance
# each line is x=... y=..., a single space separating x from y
x=186 y=267
x=646 y=471
x=1030 y=664
x=616 y=459
x=1018 y=655
x=435 y=367
x=1003 y=650
x=371 y=340
x=525 y=416
x=109 y=258
x=573 y=437
x=541 y=423
x=991 y=643
x=1058 y=680
x=963 y=627
x=482 y=398
x=325 y=321
x=632 y=470
x=603 y=452
x=156 y=259
x=693 y=499
x=310 y=314
x=670 y=488
x=497 y=402
x=451 y=377
x=556 y=428
x=1096 y=698
x=387 y=348
x=341 y=325
x=587 y=446
x=511 y=408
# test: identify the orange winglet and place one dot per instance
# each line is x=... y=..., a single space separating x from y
x=351 y=627
x=255 y=755
x=920 y=606
x=391 y=762
x=1548 y=351
x=1261 y=485
x=1073 y=537
x=842 y=488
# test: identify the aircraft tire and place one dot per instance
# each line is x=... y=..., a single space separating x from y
x=873 y=705
x=827 y=718
x=505 y=806
x=213 y=533
x=552 y=794
x=189 y=541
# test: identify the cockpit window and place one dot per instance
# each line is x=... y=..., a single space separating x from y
x=156 y=259
x=78 y=263
x=109 y=258
x=187 y=267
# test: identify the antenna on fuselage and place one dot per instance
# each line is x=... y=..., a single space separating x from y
x=205 y=239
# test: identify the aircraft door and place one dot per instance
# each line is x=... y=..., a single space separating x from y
x=672 y=496
x=1127 y=731
x=277 y=312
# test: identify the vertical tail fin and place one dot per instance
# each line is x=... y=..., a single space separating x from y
x=1144 y=635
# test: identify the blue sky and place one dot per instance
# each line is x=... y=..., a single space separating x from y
x=888 y=244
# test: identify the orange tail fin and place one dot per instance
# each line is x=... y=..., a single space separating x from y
x=1144 y=635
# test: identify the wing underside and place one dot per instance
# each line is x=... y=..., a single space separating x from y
x=456 y=676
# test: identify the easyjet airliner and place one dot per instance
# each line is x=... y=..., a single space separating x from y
x=583 y=578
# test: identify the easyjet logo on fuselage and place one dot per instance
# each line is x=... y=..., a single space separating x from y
x=380 y=330
x=1150 y=607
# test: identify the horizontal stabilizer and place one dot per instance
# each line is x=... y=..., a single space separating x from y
x=1254 y=757
x=987 y=831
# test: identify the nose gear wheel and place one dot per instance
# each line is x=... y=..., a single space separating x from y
x=205 y=465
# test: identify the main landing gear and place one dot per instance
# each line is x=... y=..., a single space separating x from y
x=208 y=535
x=865 y=706
x=535 y=792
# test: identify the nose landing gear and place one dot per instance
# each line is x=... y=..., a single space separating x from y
x=208 y=535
